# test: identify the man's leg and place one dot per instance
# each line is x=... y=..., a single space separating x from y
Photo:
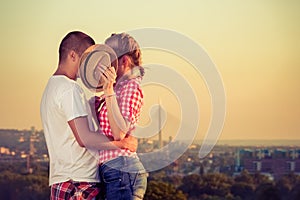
x=74 y=190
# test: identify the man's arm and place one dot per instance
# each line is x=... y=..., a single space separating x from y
x=94 y=140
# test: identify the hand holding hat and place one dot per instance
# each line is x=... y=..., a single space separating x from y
x=108 y=73
x=108 y=77
x=95 y=61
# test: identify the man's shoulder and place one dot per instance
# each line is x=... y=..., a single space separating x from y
x=63 y=84
x=59 y=87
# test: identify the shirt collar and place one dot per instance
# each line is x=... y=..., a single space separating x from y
x=135 y=72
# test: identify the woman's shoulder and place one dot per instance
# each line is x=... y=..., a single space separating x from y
x=133 y=83
x=131 y=86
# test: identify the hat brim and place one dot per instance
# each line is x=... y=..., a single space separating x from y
x=88 y=71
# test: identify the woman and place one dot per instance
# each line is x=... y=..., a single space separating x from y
x=118 y=110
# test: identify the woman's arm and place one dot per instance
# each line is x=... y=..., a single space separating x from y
x=119 y=126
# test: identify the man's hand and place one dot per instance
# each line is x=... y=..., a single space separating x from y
x=129 y=142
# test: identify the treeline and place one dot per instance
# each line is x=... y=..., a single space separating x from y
x=15 y=186
x=218 y=186
x=15 y=183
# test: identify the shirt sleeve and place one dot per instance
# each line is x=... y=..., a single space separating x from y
x=130 y=102
x=73 y=104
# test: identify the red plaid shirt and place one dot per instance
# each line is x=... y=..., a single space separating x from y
x=74 y=191
x=130 y=100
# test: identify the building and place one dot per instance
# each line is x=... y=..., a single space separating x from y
x=273 y=162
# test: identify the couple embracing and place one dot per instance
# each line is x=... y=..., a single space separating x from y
x=88 y=161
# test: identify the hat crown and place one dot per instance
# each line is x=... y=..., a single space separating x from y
x=89 y=73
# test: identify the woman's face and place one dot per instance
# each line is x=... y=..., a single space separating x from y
x=121 y=68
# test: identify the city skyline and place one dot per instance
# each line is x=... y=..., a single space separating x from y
x=255 y=46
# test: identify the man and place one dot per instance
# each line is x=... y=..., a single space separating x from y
x=68 y=127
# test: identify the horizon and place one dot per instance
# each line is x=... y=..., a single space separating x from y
x=221 y=142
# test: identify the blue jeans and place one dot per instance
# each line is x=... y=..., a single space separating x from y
x=123 y=178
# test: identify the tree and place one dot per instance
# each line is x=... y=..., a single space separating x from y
x=209 y=184
x=217 y=184
x=244 y=177
x=260 y=179
x=267 y=191
x=192 y=185
x=174 y=180
x=284 y=186
x=158 y=190
x=26 y=187
x=295 y=193
x=243 y=190
x=244 y=186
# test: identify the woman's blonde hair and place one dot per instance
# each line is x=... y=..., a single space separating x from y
x=124 y=44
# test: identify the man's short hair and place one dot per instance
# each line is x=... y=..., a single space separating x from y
x=76 y=41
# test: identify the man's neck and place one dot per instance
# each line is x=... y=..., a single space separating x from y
x=62 y=71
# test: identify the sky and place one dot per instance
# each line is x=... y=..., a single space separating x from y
x=254 y=44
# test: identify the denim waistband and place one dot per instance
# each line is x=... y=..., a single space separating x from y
x=124 y=163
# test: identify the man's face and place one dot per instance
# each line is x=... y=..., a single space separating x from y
x=77 y=65
x=81 y=57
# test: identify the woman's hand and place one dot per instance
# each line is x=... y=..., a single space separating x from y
x=108 y=76
x=129 y=142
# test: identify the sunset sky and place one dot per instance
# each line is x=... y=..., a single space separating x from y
x=254 y=44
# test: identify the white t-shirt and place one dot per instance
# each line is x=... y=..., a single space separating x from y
x=62 y=101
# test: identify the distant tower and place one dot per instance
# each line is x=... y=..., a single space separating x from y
x=237 y=161
x=32 y=150
x=160 y=142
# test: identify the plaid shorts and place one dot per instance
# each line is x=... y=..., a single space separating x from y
x=75 y=191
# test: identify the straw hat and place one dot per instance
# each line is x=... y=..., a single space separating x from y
x=88 y=71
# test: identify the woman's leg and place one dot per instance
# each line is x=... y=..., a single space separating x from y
x=116 y=182
x=124 y=178
x=138 y=185
x=138 y=177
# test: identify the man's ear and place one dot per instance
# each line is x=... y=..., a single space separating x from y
x=73 y=55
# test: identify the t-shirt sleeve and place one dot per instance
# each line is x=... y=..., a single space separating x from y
x=131 y=101
x=73 y=104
